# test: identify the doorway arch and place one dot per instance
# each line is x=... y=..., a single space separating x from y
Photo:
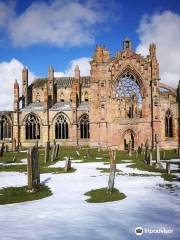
x=128 y=135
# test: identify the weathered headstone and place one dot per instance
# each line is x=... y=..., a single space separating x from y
x=157 y=148
x=6 y=148
x=149 y=158
x=14 y=145
x=56 y=151
x=139 y=150
x=53 y=152
x=163 y=155
x=111 y=177
x=146 y=150
x=67 y=165
x=168 y=169
x=136 y=154
x=130 y=148
x=47 y=150
x=14 y=157
x=142 y=148
x=77 y=152
x=1 y=151
x=33 y=169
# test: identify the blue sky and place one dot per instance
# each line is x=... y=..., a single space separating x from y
x=58 y=32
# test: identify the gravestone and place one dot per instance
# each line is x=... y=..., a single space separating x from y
x=67 y=165
x=111 y=177
x=150 y=158
x=47 y=151
x=163 y=155
x=56 y=151
x=6 y=148
x=33 y=169
x=139 y=150
x=1 y=151
x=53 y=152
x=14 y=157
x=99 y=148
x=168 y=169
x=14 y=145
x=136 y=154
x=142 y=148
x=130 y=148
x=146 y=150
x=157 y=148
x=77 y=152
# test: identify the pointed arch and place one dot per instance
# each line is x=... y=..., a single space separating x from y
x=32 y=127
x=133 y=71
x=61 y=127
x=5 y=127
x=84 y=126
x=169 y=124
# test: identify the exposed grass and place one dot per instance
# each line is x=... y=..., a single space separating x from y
x=102 y=195
x=11 y=195
x=168 y=177
x=106 y=170
x=8 y=156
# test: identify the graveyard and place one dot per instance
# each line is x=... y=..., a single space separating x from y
x=64 y=181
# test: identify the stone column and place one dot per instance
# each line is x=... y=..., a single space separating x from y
x=33 y=169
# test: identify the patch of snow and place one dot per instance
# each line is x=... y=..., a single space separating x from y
x=66 y=214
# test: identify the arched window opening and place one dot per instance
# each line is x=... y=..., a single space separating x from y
x=61 y=127
x=5 y=127
x=168 y=124
x=127 y=138
x=62 y=97
x=84 y=127
x=32 y=127
x=129 y=93
x=86 y=97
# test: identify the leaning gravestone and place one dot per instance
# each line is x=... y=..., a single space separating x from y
x=53 y=152
x=47 y=150
x=67 y=165
x=33 y=169
x=112 y=170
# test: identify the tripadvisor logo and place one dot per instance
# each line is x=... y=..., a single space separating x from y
x=139 y=231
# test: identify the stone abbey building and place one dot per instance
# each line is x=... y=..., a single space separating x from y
x=123 y=99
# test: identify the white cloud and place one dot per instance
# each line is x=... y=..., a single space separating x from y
x=9 y=71
x=83 y=64
x=164 y=30
x=58 y=23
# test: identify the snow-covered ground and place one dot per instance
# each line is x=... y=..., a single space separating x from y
x=66 y=214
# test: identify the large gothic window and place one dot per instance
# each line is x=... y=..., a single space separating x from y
x=32 y=127
x=84 y=126
x=61 y=127
x=168 y=124
x=129 y=94
x=5 y=127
